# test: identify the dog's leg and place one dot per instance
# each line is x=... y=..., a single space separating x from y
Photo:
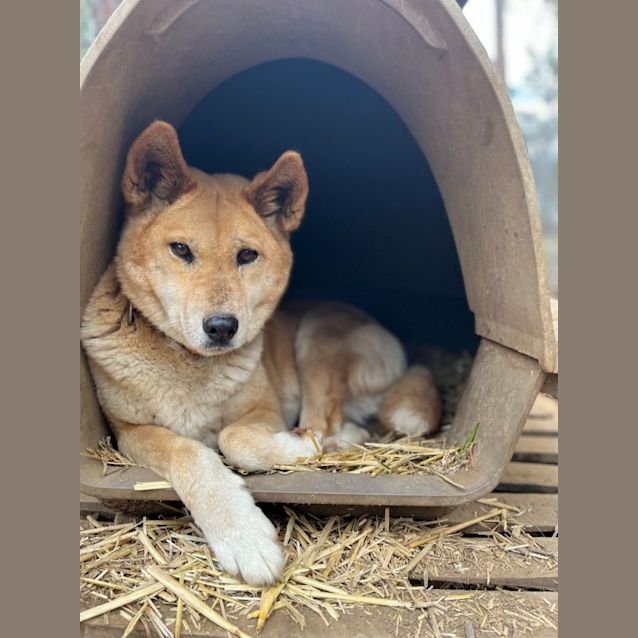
x=324 y=390
x=260 y=440
x=352 y=369
x=412 y=405
x=345 y=360
x=243 y=539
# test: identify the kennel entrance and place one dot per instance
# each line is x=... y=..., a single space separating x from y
x=375 y=233
x=161 y=59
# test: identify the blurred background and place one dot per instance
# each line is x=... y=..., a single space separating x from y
x=521 y=37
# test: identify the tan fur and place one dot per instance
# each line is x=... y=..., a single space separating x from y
x=412 y=405
x=171 y=396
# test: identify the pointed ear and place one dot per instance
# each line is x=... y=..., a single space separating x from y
x=279 y=195
x=156 y=173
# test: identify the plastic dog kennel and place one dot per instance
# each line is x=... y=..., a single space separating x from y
x=422 y=205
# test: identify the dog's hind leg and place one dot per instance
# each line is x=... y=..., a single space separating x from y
x=324 y=390
x=412 y=405
x=346 y=361
x=243 y=539
x=323 y=363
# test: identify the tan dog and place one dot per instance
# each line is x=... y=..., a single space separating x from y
x=188 y=354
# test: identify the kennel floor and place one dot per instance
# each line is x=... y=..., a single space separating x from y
x=530 y=483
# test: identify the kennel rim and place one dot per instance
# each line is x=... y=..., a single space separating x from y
x=497 y=371
x=303 y=488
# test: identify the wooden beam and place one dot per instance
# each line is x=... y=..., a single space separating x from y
x=529 y=477
x=487 y=564
x=543 y=418
x=539 y=511
x=372 y=621
x=536 y=449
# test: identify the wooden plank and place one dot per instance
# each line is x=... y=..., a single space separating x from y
x=481 y=561
x=551 y=385
x=543 y=418
x=540 y=427
x=376 y=622
x=92 y=505
x=540 y=512
x=536 y=449
x=529 y=477
x=545 y=407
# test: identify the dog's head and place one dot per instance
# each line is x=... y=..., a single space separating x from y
x=206 y=258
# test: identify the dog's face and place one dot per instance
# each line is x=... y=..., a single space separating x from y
x=206 y=258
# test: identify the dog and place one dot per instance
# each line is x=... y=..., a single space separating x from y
x=189 y=353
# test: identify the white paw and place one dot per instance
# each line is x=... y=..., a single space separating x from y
x=350 y=434
x=407 y=421
x=243 y=539
x=297 y=444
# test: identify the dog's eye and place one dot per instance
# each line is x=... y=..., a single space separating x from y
x=246 y=256
x=182 y=251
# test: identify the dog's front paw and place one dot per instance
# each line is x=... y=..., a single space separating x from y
x=299 y=443
x=244 y=540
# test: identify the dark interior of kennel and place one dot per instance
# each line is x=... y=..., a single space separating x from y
x=376 y=233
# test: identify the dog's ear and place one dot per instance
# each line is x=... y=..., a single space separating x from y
x=156 y=173
x=279 y=194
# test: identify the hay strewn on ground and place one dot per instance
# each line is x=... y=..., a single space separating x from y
x=162 y=575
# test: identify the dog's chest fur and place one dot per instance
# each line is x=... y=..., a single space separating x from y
x=143 y=377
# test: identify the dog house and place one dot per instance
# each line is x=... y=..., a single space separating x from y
x=422 y=206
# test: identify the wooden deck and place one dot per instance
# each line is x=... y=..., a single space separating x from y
x=530 y=483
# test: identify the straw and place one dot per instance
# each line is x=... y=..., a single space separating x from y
x=131 y=597
x=193 y=601
x=334 y=564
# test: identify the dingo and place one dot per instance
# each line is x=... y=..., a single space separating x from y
x=188 y=353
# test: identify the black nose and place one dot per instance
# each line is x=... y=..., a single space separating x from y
x=221 y=328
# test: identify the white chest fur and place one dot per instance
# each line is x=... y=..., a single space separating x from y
x=143 y=378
